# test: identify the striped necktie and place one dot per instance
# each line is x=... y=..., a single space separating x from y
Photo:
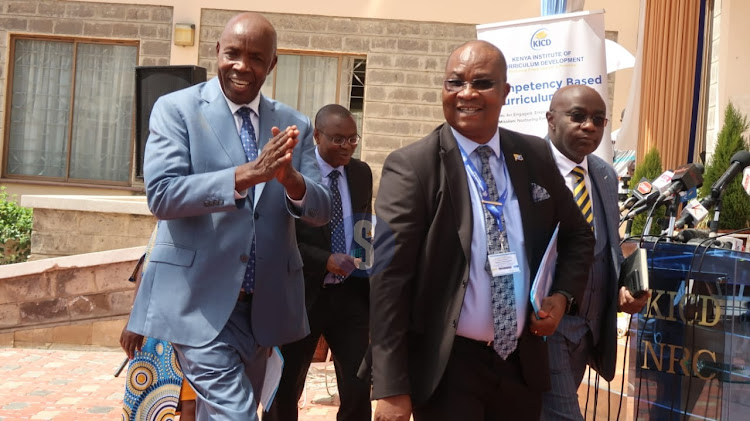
x=581 y=195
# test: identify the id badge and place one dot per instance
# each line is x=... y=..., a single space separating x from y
x=503 y=263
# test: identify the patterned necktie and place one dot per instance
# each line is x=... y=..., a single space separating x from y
x=338 y=238
x=247 y=136
x=501 y=287
x=581 y=195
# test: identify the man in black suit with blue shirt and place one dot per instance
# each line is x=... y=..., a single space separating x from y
x=336 y=291
x=467 y=213
x=576 y=122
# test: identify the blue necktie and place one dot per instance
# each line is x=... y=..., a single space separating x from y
x=247 y=136
x=338 y=238
x=501 y=287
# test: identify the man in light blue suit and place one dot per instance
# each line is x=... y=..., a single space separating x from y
x=225 y=279
x=587 y=336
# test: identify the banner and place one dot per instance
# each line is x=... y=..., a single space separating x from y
x=543 y=55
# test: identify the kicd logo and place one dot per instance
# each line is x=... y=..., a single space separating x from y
x=540 y=39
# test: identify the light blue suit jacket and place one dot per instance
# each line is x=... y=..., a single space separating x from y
x=198 y=261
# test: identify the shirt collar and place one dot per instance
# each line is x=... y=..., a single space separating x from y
x=564 y=163
x=469 y=145
x=253 y=105
x=326 y=168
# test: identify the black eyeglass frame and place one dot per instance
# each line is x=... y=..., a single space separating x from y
x=581 y=118
x=340 y=140
x=479 y=85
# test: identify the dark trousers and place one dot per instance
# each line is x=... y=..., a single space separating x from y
x=340 y=315
x=478 y=385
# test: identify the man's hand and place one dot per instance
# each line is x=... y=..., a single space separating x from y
x=629 y=304
x=274 y=161
x=393 y=408
x=341 y=264
x=130 y=341
x=552 y=311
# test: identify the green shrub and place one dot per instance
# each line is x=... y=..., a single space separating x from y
x=15 y=230
x=735 y=208
x=650 y=168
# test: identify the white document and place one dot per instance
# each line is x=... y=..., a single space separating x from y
x=546 y=273
x=274 y=366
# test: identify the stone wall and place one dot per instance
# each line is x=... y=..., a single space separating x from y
x=66 y=225
x=151 y=25
x=405 y=66
x=82 y=300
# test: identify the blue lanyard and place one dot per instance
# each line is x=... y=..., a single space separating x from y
x=494 y=208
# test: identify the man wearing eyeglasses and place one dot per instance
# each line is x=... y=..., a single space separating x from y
x=576 y=122
x=336 y=292
x=472 y=208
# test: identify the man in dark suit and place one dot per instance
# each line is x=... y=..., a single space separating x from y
x=453 y=335
x=576 y=122
x=224 y=282
x=336 y=292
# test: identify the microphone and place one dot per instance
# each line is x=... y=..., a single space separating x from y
x=658 y=183
x=642 y=205
x=643 y=188
x=693 y=212
x=738 y=161
x=661 y=182
x=685 y=177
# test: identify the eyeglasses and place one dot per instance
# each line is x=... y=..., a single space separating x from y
x=340 y=140
x=458 y=85
x=580 y=118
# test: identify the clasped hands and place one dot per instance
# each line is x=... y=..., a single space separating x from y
x=274 y=161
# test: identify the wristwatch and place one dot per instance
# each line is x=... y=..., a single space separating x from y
x=570 y=300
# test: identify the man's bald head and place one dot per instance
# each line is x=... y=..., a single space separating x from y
x=576 y=121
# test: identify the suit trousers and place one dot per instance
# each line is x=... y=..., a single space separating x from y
x=567 y=364
x=227 y=372
x=340 y=315
x=478 y=385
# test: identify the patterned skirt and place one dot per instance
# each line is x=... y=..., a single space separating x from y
x=154 y=378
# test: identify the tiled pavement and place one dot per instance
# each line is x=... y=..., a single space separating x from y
x=74 y=384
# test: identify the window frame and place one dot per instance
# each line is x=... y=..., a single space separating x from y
x=339 y=56
x=66 y=180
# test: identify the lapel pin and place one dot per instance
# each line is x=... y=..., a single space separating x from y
x=518 y=157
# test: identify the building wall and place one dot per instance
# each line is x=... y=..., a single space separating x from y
x=406 y=44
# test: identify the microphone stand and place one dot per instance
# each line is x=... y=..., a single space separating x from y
x=713 y=226
x=672 y=213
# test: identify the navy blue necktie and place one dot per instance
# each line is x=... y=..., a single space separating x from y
x=249 y=145
x=338 y=238
x=501 y=287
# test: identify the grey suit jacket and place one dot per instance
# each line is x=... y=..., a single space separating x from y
x=203 y=243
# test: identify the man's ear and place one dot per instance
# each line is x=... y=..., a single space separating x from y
x=315 y=136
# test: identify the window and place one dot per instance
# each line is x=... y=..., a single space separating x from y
x=307 y=82
x=70 y=107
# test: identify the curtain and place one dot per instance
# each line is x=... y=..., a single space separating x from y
x=553 y=7
x=103 y=112
x=40 y=108
x=670 y=40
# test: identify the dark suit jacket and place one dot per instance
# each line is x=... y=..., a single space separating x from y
x=416 y=298
x=604 y=181
x=315 y=242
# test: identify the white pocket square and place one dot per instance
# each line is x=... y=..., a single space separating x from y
x=538 y=193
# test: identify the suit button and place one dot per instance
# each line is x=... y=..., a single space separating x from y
x=464 y=283
x=244 y=258
x=453 y=323
x=256 y=215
